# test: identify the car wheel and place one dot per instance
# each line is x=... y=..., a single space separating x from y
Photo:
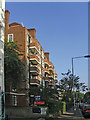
x=85 y=116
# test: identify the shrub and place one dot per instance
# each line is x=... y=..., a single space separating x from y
x=54 y=106
x=64 y=106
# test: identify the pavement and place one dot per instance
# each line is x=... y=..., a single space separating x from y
x=72 y=114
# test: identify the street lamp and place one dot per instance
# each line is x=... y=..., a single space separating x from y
x=29 y=67
x=87 y=56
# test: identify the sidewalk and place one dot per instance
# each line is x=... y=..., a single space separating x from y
x=72 y=115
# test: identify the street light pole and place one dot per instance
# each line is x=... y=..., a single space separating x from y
x=87 y=56
x=29 y=67
x=73 y=82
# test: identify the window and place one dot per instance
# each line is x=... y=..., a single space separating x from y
x=10 y=37
x=14 y=100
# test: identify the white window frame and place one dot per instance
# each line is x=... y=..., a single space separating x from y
x=8 y=37
x=14 y=100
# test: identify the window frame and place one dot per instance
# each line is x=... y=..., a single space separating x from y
x=14 y=100
x=8 y=38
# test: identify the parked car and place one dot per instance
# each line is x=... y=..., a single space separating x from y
x=86 y=110
x=81 y=105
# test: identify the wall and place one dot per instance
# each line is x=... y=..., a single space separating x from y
x=23 y=112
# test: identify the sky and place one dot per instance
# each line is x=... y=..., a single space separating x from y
x=61 y=29
x=47 y=0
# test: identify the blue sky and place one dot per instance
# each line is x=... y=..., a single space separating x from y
x=61 y=29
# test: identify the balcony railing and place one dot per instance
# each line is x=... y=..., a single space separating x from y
x=46 y=70
x=51 y=76
x=56 y=80
x=55 y=74
x=51 y=83
x=50 y=68
x=46 y=62
x=34 y=59
x=50 y=63
x=34 y=46
x=46 y=79
x=35 y=82
x=34 y=70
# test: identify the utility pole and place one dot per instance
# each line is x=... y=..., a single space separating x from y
x=89 y=45
x=2 y=88
x=86 y=56
x=41 y=69
x=29 y=67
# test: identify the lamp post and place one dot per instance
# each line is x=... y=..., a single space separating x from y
x=87 y=56
x=29 y=67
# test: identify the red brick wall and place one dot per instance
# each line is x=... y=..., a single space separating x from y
x=47 y=56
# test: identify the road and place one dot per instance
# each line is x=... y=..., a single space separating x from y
x=70 y=115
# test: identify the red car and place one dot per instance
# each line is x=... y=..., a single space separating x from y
x=86 y=110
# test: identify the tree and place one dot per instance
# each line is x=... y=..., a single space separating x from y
x=14 y=68
x=87 y=97
x=69 y=83
x=46 y=93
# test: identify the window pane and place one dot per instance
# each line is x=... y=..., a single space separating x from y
x=10 y=37
x=14 y=100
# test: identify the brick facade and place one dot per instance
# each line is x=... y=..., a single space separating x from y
x=42 y=71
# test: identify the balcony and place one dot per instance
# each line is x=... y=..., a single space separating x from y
x=34 y=70
x=46 y=79
x=56 y=81
x=51 y=83
x=50 y=64
x=50 y=76
x=55 y=74
x=46 y=62
x=34 y=47
x=50 y=68
x=34 y=59
x=57 y=84
x=46 y=70
x=35 y=82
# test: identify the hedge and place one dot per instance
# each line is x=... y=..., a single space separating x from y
x=64 y=106
x=56 y=106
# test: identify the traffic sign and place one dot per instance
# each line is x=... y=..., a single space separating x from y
x=39 y=102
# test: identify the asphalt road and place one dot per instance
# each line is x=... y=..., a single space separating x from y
x=70 y=115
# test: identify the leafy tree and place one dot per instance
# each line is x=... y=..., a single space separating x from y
x=46 y=93
x=87 y=97
x=69 y=81
x=14 y=68
x=70 y=86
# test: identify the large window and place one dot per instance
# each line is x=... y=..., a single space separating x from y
x=10 y=37
x=14 y=100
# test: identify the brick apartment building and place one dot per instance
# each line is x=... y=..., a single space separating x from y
x=42 y=71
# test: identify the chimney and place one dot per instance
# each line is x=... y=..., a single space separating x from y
x=47 y=55
x=32 y=32
x=6 y=24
